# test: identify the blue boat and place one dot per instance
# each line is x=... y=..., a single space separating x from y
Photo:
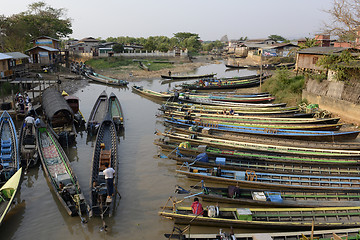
x=282 y=133
x=9 y=155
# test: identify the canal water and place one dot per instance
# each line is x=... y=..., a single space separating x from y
x=145 y=181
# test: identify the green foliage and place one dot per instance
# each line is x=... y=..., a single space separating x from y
x=162 y=43
x=212 y=45
x=337 y=63
x=106 y=63
x=118 y=48
x=6 y=87
x=243 y=38
x=284 y=86
x=39 y=20
x=277 y=38
x=309 y=42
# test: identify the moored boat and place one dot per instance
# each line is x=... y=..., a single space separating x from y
x=8 y=192
x=115 y=111
x=106 y=80
x=105 y=152
x=97 y=114
x=184 y=77
x=74 y=103
x=28 y=148
x=259 y=197
x=9 y=156
x=59 y=173
x=251 y=179
x=59 y=116
x=298 y=218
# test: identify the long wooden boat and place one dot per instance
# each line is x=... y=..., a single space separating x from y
x=8 y=192
x=255 y=147
x=332 y=234
x=235 y=66
x=239 y=164
x=233 y=126
x=193 y=150
x=115 y=111
x=348 y=145
x=105 y=151
x=152 y=94
x=285 y=198
x=249 y=119
x=9 y=155
x=98 y=113
x=223 y=131
x=59 y=116
x=59 y=173
x=184 y=77
x=298 y=218
x=74 y=104
x=252 y=179
x=28 y=148
x=259 y=106
x=224 y=85
x=106 y=80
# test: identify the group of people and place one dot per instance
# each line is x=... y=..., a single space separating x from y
x=231 y=112
x=24 y=103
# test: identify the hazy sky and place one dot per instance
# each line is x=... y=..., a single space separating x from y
x=209 y=18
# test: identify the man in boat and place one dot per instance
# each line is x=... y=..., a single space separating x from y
x=169 y=73
x=109 y=178
x=231 y=111
x=196 y=207
x=29 y=121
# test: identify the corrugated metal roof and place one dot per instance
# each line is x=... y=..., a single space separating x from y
x=46 y=48
x=323 y=50
x=17 y=55
x=4 y=56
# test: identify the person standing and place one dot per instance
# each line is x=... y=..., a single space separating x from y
x=196 y=207
x=109 y=178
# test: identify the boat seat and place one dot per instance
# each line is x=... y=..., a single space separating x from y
x=5 y=157
x=6 y=150
x=5 y=143
x=105 y=157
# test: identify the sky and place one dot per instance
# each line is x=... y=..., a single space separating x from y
x=211 y=19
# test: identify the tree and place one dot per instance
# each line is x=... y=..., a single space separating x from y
x=243 y=38
x=309 y=42
x=39 y=20
x=118 y=48
x=277 y=38
x=345 y=22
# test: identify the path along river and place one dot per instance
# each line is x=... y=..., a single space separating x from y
x=145 y=180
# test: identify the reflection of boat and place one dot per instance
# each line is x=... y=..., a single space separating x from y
x=59 y=115
x=338 y=234
x=105 y=152
x=97 y=113
x=115 y=111
x=8 y=192
x=29 y=155
x=9 y=148
x=59 y=173
x=106 y=80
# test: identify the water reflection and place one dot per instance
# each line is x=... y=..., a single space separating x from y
x=145 y=181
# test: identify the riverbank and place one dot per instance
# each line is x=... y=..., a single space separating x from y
x=134 y=73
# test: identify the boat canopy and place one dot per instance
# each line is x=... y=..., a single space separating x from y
x=57 y=110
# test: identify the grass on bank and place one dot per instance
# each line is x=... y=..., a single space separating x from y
x=285 y=86
x=118 y=63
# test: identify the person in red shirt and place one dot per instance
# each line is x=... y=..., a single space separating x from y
x=197 y=207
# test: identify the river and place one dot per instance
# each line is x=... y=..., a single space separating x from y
x=145 y=181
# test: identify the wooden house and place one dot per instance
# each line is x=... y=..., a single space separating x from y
x=46 y=41
x=18 y=63
x=306 y=59
x=43 y=55
x=5 y=71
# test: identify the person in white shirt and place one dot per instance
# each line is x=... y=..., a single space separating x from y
x=109 y=178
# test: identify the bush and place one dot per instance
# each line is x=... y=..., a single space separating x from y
x=285 y=86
